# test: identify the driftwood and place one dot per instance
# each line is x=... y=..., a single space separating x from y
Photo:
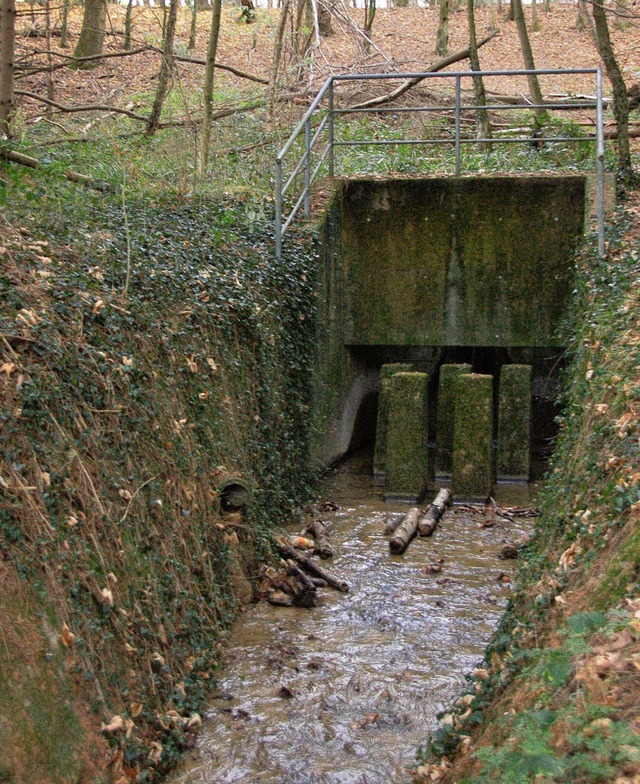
x=319 y=532
x=392 y=525
x=291 y=588
x=428 y=522
x=409 y=83
x=313 y=567
x=405 y=531
x=305 y=593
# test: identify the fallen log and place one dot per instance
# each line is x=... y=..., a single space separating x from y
x=319 y=532
x=392 y=524
x=405 y=531
x=304 y=591
x=313 y=567
x=428 y=522
x=409 y=83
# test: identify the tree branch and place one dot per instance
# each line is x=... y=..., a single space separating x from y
x=33 y=163
x=84 y=108
x=195 y=61
x=409 y=83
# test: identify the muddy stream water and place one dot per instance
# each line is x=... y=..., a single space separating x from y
x=344 y=693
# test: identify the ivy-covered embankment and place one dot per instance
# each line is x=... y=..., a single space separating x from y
x=145 y=351
x=556 y=699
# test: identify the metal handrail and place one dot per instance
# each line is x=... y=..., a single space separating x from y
x=304 y=164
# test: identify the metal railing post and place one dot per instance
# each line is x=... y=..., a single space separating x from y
x=278 y=225
x=331 y=159
x=457 y=124
x=600 y=163
x=307 y=167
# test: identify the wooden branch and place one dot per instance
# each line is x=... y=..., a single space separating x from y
x=405 y=532
x=319 y=532
x=428 y=522
x=313 y=567
x=409 y=83
x=85 y=108
x=69 y=60
x=183 y=59
x=33 y=163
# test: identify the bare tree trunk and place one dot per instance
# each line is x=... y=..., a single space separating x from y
x=166 y=67
x=47 y=27
x=369 y=16
x=527 y=53
x=275 y=63
x=482 y=116
x=194 y=23
x=208 y=86
x=91 y=38
x=442 y=39
x=7 y=41
x=620 y=99
x=535 y=22
x=585 y=21
x=127 y=26
x=64 y=27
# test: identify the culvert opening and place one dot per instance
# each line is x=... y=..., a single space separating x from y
x=495 y=368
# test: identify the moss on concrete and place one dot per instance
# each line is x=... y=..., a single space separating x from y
x=514 y=423
x=406 y=473
x=472 y=468
x=459 y=261
x=445 y=416
x=380 y=451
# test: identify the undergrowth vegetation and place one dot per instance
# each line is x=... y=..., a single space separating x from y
x=556 y=698
x=148 y=349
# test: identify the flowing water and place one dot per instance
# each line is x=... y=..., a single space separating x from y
x=345 y=692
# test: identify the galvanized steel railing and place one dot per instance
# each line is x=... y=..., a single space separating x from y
x=323 y=107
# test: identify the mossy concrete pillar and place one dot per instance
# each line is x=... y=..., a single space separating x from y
x=380 y=450
x=472 y=463
x=514 y=423
x=406 y=455
x=445 y=417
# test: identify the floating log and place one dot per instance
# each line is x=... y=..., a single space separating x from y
x=392 y=524
x=319 y=532
x=313 y=567
x=405 y=531
x=428 y=522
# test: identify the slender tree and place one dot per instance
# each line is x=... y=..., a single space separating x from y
x=64 y=25
x=277 y=56
x=212 y=50
x=369 y=16
x=442 y=38
x=127 y=26
x=166 y=67
x=620 y=99
x=482 y=116
x=7 y=42
x=91 y=38
x=194 y=24
x=527 y=53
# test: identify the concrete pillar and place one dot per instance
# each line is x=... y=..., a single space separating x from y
x=445 y=417
x=406 y=460
x=380 y=450
x=514 y=423
x=472 y=464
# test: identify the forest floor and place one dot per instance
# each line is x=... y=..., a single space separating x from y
x=403 y=41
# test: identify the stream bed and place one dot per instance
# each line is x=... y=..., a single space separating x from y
x=345 y=692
